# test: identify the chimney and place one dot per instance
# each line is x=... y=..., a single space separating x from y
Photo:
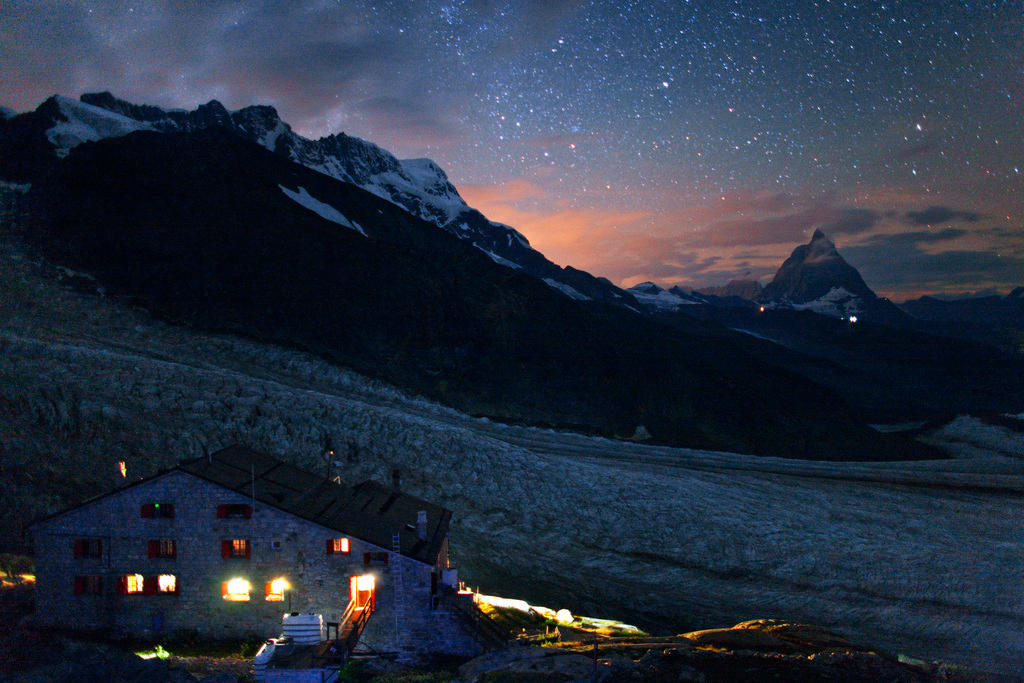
x=396 y=479
x=421 y=525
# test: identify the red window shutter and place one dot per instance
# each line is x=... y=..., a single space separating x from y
x=79 y=585
x=247 y=511
x=366 y=558
x=79 y=547
x=222 y=511
x=170 y=510
x=386 y=556
x=224 y=588
x=174 y=551
x=248 y=548
x=330 y=546
x=122 y=585
x=147 y=510
x=149 y=585
x=153 y=549
x=225 y=549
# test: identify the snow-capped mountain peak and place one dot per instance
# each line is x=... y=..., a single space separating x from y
x=821 y=249
x=656 y=298
x=419 y=186
x=79 y=122
x=816 y=277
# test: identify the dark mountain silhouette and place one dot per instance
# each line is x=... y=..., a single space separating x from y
x=815 y=277
x=32 y=144
x=741 y=288
x=210 y=230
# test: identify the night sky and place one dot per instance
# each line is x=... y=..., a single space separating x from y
x=680 y=142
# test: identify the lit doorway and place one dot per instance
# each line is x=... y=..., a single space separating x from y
x=361 y=590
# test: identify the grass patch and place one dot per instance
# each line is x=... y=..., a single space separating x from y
x=515 y=621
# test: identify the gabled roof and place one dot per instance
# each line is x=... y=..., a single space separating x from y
x=368 y=511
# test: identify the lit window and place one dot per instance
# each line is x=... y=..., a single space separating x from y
x=275 y=590
x=167 y=583
x=236 y=590
x=337 y=545
x=133 y=583
x=235 y=548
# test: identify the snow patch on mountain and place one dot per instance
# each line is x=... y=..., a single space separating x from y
x=269 y=138
x=655 y=298
x=322 y=209
x=87 y=123
x=968 y=437
x=566 y=289
x=504 y=261
x=837 y=303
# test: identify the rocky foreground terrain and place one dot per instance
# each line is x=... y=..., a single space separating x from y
x=921 y=558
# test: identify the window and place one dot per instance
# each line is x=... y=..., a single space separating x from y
x=235 y=548
x=337 y=545
x=375 y=558
x=132 y=584
x=275 y=590
x=163 y=548
x=234 y=511
x=235 y=590
x=165 y=510
x=88 y=585
x=88 y=547
x=167 y=584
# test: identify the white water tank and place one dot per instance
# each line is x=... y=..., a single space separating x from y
x=262 y=658
x=304 y=629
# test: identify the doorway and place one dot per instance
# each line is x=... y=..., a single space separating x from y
x=362 y=590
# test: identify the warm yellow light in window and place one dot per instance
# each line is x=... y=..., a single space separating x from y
x=133 y=583
x=167 y=583
x=364 y=582
x=276 y=589
x=237 y=590
x=341 y=545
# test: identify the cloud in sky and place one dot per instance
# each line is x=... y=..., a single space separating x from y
x=935 y=215
x=610 y=148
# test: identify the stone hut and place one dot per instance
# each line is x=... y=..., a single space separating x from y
x=225 y=545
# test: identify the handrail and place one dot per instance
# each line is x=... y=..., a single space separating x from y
x=347 y=614
x=352 y=638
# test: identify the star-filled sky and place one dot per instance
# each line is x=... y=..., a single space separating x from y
x=680 y=142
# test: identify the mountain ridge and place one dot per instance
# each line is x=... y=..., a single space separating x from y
x=172 y=221
x=35 y=140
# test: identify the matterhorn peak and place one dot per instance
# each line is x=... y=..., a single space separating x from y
x=821 y=248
